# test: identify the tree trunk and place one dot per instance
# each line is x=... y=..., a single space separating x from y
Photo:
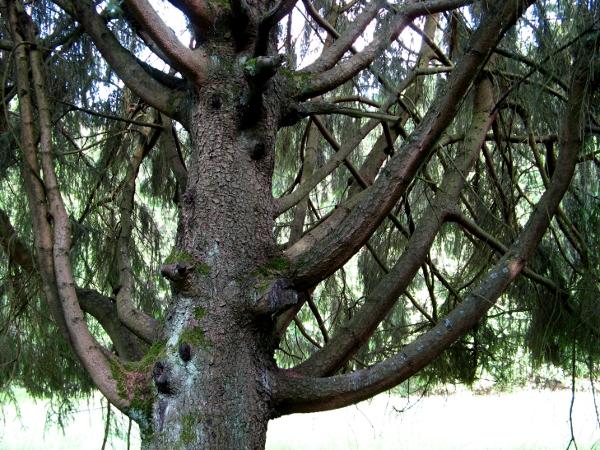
x=212 y=374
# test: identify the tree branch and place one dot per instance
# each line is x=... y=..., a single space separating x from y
x=143 y=325
x=169 y=101
x=92 y=302
x=318 y=262
x=383 y=297
x=89 y=351
x=282 y=204
x=295 y=393
x=332 y=54
x=191 y=63
x=200 y=12
x=330 y=77
x=269 y=20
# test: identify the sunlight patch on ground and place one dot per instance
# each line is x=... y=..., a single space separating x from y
x=523 y=420
x=531 y=420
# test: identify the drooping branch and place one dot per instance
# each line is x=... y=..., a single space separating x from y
x=191 y=63
x=308 y=149
x=385 y=144
x=342 y=152
x=384 y=296
x=491 y=241
x=144 y=326
x=170 y=142
x=268 y=21
x=330 y=77
x=332 y=54
x=92 y=302
x=84 y=344
x=296 y=393
x=156 y=94
x=14 y=248
x=317 y=262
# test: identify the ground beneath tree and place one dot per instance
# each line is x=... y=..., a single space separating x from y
x=525 y=420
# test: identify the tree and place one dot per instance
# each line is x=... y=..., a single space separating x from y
x=462 y=148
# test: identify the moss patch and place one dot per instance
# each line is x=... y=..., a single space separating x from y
x=142 y=403
x=188 y=429
x=119 y=376
x=220 y=3
x=180 y=256
x=300 y=80
x=142 y=400
x=274 y=266
x=203 y=268
x=194 y=336
x=157 y=351
x=199 y=312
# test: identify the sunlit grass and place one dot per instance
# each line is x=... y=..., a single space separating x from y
x=524 y=420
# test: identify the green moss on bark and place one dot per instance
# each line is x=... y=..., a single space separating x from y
x=274 y=266
x=180 y=256
x=188 y=429
x=194 y=336
x=199 y=312
x=118 y=375
x=157 y=351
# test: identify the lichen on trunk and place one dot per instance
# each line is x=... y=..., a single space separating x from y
x=213 y=381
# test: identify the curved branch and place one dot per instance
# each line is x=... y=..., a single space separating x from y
x=470 y=227
x=89 y=351
x=284 y=203
x=342 y=72
x=143 y=325
x=30 y=173
x=318 y=262
x=192 y=63
x=295 y=393
x=269 y=20
x=92 y=302
x=167 y=100
x=352 y=335
x=332 y=54
x=199 y=12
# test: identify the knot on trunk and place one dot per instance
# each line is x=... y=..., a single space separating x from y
x=185 y=351
x=279 y=296
x=177 y=271
x=161 y=374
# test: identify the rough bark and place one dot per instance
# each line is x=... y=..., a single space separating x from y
x=212 y=378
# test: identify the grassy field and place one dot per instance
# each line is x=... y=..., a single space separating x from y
x=524 y=420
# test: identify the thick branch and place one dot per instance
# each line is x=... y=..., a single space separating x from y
x=381 y=300
x=143 y=325
x=303 y=394
x=30 y=173
x=84 y=344
x=125 y=64
x=342 y=72
x=320 y=261
x=191 y=63
x=200 y=12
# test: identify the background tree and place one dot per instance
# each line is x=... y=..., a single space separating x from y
x=435 y=171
